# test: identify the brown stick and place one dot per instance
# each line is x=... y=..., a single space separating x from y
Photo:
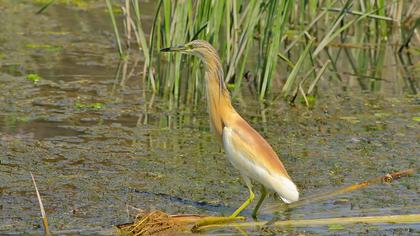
x=388 y=178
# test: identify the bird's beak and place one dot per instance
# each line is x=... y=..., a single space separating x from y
x=173 y=49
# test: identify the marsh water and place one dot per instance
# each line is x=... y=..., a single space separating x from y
x=100 y=144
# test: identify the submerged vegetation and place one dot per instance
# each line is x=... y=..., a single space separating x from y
x=275 y=47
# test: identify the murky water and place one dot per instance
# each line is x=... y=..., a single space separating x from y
x=98 y=144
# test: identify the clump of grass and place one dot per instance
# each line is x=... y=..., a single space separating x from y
x=151 y=223
x=251 y=36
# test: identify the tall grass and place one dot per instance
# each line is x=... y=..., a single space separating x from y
x=340 y=38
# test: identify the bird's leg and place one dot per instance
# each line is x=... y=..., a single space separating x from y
x=257 y=207
x=248 y=201
x=233 y=217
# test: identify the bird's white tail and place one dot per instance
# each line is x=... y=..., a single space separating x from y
x=286 y=189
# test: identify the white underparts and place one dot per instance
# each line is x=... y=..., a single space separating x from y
x=285 y=188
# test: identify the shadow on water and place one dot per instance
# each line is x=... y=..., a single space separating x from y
x=97 y=140
x=198 y=204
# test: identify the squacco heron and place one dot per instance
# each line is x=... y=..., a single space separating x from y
x=246 y=149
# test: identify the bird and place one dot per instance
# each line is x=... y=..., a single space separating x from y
x=245 y=148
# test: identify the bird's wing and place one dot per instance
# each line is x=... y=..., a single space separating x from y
x=254 y=157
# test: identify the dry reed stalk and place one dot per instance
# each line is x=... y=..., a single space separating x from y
x=392 y=219
x=41 y=206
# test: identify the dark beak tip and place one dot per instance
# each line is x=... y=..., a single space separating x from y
x=165 y=50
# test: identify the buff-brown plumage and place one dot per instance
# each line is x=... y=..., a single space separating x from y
x=223 y=114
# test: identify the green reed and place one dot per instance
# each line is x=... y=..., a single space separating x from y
x=337 y=38
x=115 y=28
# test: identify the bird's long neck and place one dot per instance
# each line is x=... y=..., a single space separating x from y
x=218 y=98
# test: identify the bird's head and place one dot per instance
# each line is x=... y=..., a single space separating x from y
x=199 y=48
x=207 y=54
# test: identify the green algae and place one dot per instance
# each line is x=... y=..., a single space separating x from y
x=33 y=77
